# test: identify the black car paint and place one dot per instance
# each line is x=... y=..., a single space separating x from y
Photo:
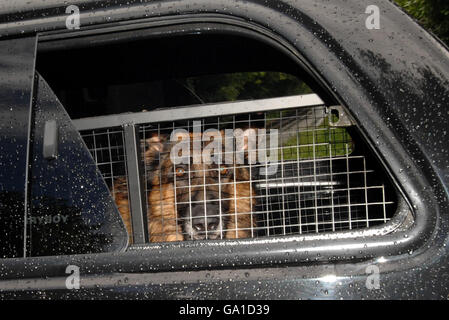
x=15 y=98
x=394 y=81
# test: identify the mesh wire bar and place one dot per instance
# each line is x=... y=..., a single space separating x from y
x=319 y=178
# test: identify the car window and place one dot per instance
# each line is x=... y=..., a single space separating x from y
x=71 y=210
x=279 y=161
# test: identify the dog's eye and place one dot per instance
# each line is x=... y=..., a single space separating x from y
x=180 y=172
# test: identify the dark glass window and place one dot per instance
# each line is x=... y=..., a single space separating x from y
x=154 y=74
x=71 y=210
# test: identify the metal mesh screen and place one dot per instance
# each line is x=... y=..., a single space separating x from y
x=315 y=179
x=320 y=184
x=108 y=151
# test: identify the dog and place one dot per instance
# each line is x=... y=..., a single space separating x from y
x=191 y=201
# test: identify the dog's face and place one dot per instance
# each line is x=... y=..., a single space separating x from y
x=202 y=197
x=203 y=193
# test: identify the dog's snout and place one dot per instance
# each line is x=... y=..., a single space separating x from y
x=199 y=225
x=205 y=217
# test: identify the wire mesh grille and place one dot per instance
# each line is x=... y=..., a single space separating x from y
x=107 y=149
x=320 y=183
x=318 y=178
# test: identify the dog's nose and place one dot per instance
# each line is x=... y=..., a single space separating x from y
x=199 y=225
x=211 y=214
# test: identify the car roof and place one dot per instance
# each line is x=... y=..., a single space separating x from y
x=18 y=17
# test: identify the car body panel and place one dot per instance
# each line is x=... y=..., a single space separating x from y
x=395 y=82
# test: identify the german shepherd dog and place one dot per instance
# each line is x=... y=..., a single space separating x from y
x=191 y=201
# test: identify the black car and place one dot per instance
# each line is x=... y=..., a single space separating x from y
x=334 y=116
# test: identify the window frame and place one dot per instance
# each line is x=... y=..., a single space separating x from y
x=252 y=252
x=129 y=122
x=18 y=58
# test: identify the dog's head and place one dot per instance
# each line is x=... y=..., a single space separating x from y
x=203 y=192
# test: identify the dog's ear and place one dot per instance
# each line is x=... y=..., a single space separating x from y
x=152 y=148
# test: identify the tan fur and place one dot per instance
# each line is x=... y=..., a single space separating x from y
x=162 y=215
x=162 y=219
x=240 y=209
x=120 y=194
